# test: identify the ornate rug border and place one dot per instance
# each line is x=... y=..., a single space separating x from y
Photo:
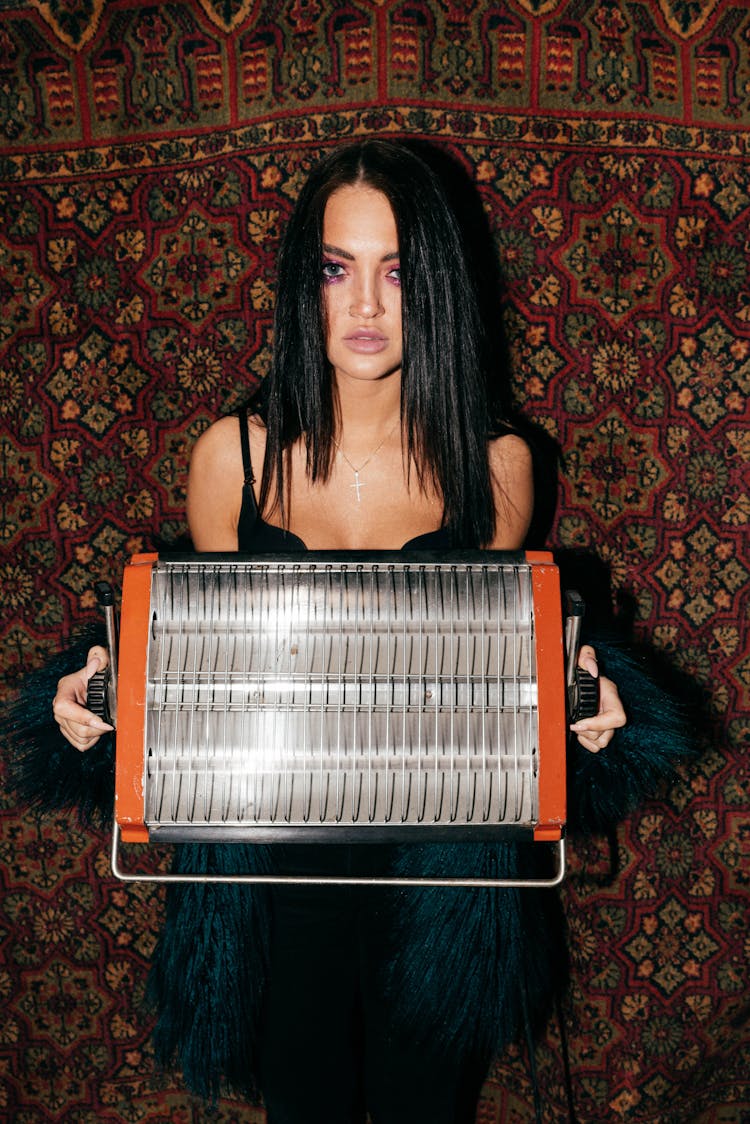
x=304 y=128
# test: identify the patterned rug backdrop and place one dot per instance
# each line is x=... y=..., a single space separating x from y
x=150 y=155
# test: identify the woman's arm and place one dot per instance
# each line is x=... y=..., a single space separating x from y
x=214 y=491
x=512 y=478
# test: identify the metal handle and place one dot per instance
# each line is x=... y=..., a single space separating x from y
x=583 y=688
x=574 y=610
x=554 y=879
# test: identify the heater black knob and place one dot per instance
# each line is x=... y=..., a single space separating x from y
x=584 y=695
x=96 y=695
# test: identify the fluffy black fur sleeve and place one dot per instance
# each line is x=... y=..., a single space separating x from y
x=47 y=773
x=45 y=770
x=642 y=757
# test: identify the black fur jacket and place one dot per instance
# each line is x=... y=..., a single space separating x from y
x=468 y=968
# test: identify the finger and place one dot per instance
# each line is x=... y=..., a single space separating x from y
x=75 y=718
x=85 y=722
x=81 y=742
x=611 y=712
x=597 y=732
x=587 y=660
x=595 y=739
x=599 y=723
x=96 y=660
x=593 y=742
x=84 y=735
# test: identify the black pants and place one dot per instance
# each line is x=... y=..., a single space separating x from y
x=329 y=1050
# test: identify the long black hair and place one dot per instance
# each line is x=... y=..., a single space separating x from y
x=445 y=408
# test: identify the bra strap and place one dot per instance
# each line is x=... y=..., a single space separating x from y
x=245 y=443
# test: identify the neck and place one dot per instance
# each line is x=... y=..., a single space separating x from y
x=366 y=410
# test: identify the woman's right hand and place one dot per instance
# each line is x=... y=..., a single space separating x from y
x=82 y=728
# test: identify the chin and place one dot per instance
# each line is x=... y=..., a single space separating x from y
x=367 y=375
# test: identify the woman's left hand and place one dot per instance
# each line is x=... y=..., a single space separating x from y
x=597 y=732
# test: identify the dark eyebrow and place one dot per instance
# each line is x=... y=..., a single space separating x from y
x=350 y=257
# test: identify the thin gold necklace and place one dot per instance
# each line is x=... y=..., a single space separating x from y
x=358 y=484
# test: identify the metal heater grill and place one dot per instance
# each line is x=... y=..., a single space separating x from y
x=375 y=697
x=340 y=696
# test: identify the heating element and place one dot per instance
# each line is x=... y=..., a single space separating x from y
x=348 y=698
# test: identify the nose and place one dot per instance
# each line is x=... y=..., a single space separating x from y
x=366 y=303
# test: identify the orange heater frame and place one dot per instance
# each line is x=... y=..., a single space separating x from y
x=552 y=702
x=552 y=694
x=135 y=622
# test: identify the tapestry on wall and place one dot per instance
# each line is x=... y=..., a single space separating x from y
x=149 y=156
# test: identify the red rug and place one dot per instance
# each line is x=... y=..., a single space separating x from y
x=150 y=155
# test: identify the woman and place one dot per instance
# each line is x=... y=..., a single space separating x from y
x=375 y=430
x=373 y=217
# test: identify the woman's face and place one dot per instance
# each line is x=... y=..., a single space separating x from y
x=361 y=285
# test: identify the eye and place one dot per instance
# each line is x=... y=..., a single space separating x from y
x=395 y=274
x=332 y=270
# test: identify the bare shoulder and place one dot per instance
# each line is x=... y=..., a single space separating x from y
x=218 y=447
x=215 y=486
x=512 y=475
x=509 y=455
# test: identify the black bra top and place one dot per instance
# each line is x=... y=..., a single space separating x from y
x=255 y=536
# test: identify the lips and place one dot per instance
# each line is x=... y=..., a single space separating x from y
x=365 y=340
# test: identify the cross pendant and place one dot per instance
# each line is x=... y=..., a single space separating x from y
x=357 y=485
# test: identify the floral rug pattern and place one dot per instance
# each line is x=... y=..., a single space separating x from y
x=149 y=156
